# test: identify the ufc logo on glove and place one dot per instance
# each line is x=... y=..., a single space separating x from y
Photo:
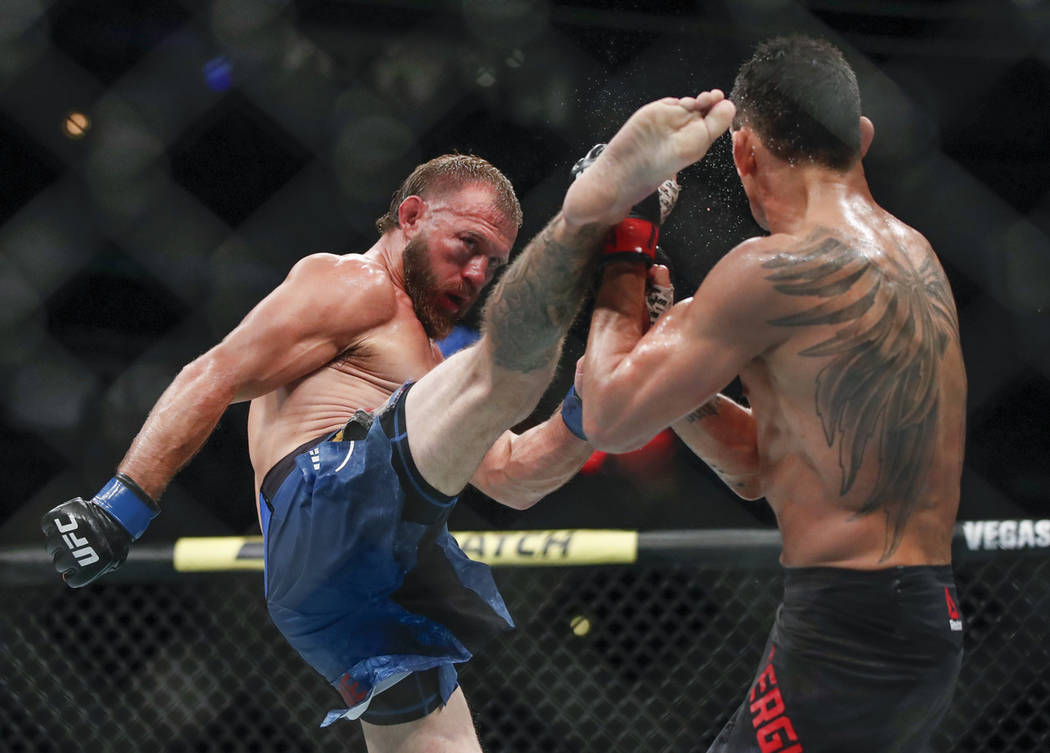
x=84 y=555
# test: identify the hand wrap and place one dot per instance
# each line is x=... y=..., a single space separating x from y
x=572 y=412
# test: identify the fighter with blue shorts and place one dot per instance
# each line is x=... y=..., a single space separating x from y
x=362 y=576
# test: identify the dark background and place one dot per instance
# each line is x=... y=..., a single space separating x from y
x=227 y=139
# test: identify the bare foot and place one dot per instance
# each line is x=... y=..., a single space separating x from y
x=657 y=141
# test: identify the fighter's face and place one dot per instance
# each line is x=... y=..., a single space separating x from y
x=455 y=253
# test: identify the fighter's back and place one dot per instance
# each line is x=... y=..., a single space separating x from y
x=860 y=408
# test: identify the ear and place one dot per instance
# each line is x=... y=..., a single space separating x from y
x=867 y=133
x=744 y=151
x=410 y=212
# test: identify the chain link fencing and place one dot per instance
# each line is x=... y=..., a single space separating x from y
x=633 y=658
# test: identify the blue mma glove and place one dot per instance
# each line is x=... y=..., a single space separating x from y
x=87 y=539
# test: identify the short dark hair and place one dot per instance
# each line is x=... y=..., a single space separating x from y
x=450 y=172
x=801 y=97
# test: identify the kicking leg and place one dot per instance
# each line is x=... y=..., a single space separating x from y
x=456 y=412
x=459 y=409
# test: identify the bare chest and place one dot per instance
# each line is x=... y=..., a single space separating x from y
x=362 y=377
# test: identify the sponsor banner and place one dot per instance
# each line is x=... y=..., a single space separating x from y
x=989 y=535
x=212 y=553
x=555 y=547
x=546 y=547
x=579 y=546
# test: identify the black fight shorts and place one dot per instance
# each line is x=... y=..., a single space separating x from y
x=857 y=661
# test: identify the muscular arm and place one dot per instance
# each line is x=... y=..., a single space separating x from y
x=636 y=383
x=521 y=469
x=320 y=308
x=722 y=433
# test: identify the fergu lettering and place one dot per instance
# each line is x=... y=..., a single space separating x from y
x=773 y=729
x=954 y=618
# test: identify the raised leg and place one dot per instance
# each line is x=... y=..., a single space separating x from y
x=459 y=409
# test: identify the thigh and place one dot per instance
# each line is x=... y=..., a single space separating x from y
x=457 y=411
x=449 y=729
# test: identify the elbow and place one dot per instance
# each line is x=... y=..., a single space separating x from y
x=748 y=489
x=607 y=436
x=607 y=443
x=521 y=501
x=499 y=486
x=747 y=486
x=742 y=469
x=516 y=499
x=211 y=376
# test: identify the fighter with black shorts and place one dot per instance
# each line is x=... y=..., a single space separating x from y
x=849 y=647
x=841 y=326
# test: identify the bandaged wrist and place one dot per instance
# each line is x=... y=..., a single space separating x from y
x=572 y=412
x=658 y=298
x=128 y=504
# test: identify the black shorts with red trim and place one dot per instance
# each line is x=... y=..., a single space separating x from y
x=857 y=661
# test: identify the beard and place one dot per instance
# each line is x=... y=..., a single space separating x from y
x=421 y=285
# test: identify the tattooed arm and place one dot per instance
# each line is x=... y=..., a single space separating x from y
x=722 y=433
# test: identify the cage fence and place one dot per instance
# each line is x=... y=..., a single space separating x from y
x=651 y=657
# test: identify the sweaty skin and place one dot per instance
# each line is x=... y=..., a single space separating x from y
x=390 y=348
x=341 y=334
x=842 y=328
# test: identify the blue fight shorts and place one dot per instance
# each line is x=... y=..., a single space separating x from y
x=362 y=576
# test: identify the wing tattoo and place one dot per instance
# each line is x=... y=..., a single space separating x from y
x=880 y=384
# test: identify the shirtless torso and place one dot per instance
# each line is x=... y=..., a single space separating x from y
x=860 y=410
x=842 y=328
x=843 y=331
x=394 y=350
x=361 y=574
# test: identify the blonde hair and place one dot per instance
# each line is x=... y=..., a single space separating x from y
x=450 y=172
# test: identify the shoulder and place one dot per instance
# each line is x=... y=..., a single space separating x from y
x=763 y=251
x=914 y=244
x=741 y=294
x=351 y=268
x=746 y=268
x=799 y=264
x=363 y=275
x=345 y=284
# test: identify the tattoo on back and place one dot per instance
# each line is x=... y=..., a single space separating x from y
x=537 y=299
x=880 y=383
